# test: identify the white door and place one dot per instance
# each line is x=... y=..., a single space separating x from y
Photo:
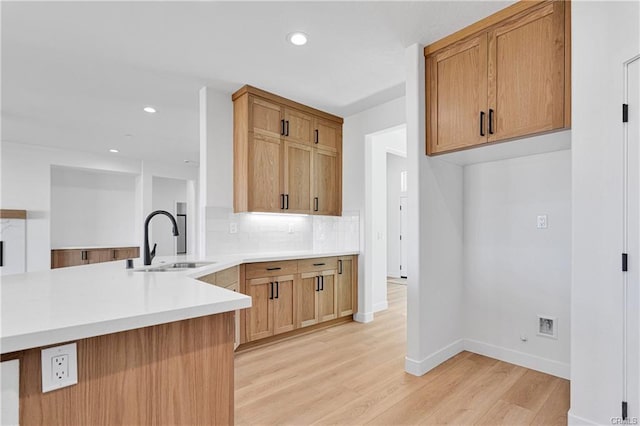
x=631 y=367
x=403 y=240
x=12 y=246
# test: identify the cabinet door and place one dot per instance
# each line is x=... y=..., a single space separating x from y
x=99 y=255
x=265 y=117
x=308 y=299
x=259 y=317
x=346 y=293
x=298 y=160
x=299 y=126
x=284 y=304
x=328 y=134
x=457 y=96
x=264 y=173
x=327 y=309
x=526 y=73
x=65 y=258
x=327 y=183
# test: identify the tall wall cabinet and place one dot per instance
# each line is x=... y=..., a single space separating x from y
x=505 y=77
x=287 y=156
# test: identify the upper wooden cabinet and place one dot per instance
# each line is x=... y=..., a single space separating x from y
x=505 y=77
x=287 y=156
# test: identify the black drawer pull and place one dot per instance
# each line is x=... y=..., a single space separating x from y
x=282 y=128
x=274 y=269
x=481 y=123
x=1 y=253
x=277 y=290
x=281 y=201
x=340 y=266
x=321 y=283
x=319 y=264
x=317 y=136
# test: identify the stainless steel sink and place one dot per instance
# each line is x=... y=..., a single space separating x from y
x=174 y=267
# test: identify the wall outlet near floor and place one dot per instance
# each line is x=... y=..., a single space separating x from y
x=233 y=228
x=59 y=367
x=542 y=222
x=548 y=326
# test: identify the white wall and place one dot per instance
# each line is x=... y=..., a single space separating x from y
x=512 y=270
x=605 y=34
x=395 y=166
x=26 y=184
x=357 y=133
x=435 y=233
x=90 y=208
x=166 y=193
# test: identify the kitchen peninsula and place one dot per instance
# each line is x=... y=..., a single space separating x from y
x=151 y=346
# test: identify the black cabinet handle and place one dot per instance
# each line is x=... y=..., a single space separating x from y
x=277 y=290
x=317 y=136
x=287 y=134
x=83 y=255
x=481 y=123
x=286 y=201
x=274 y=269
x=340 y=267
x=315 y=204
x=113 y=255
x=282 y=127
x=270 y=291
x=281 y=201
x=319 y=264
x=490 y=121
x=321 y=282
x=1 y=253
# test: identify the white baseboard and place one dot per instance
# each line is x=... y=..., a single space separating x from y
x=545 y=365
x=573 y=420
x=363 y=317
x=419 y=368
x=381 y=306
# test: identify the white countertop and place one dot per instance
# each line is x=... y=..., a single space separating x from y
x=60 y=305
x=95 y=247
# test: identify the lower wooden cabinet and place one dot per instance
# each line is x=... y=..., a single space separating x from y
x=317 y=300
x=73 y=257
x=273 y=309
x=347 y=289
x=310 y=292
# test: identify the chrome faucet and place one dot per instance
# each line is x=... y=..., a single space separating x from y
x=150 y=254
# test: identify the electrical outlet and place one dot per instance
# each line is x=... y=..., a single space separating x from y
x=542 y=222
x=59 y=367
x=233 y=228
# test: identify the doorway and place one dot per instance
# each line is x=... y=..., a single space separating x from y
x=403 y=232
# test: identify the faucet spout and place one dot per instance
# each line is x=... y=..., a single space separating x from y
x=148 y=254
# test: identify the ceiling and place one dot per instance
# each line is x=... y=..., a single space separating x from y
x=76 y=75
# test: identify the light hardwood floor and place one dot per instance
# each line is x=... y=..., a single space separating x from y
x=354 y=374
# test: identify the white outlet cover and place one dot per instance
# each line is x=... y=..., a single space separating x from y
x=542 y=221
x=233 y=228
x=49 y=383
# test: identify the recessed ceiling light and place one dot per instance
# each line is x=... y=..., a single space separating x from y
x=115 y=151
x=297 y=38
x=149 y=109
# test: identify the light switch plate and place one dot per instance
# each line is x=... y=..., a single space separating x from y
x=59 y=367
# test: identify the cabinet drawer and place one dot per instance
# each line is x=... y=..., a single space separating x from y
x=271 y=269
x=317 y=264
x=227 y=277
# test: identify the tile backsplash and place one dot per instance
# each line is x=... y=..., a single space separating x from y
x=262 y=233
